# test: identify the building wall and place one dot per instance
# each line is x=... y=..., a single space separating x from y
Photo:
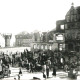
x=71 y=29
x=23 y=40
x=58 y=41
x=42 y=46
x=41 y=41
x=7 y=40
x=38 y=41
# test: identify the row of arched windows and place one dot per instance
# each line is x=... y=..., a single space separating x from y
x=42 y=46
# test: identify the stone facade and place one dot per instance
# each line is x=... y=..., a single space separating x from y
x=59 y=41
x=70 y=28
x=7 y=38
x=23 y=40
x=41 y=41
x=36 y=40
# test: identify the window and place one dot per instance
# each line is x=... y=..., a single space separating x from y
x=60 y=47
x=66 y=27
x=50 y=47
x=72 y=11
x=45 y=46
x=34 y=46
x=68 y=18
x=72 y=18
x=38 y=46
x=44 y=38
x=36 y=38
x=41 y=46
x=62 y=26
x=59 y=37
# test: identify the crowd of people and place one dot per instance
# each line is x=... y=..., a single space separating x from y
x=38 y=60
x=33 y=61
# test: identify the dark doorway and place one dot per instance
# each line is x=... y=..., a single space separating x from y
x=70 y=47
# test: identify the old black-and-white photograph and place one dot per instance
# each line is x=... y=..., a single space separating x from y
x=39 y=39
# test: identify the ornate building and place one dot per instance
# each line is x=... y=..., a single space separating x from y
x=69 y=31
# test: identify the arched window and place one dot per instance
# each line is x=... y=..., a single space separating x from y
x=60 y=47
x=41 y=46
x=68 y=18
x=45 y=46
x=38 y=46
x=34 y=46
x=72 y=18
x=50 y=47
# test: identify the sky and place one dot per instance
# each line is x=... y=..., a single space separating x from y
x=30 y=15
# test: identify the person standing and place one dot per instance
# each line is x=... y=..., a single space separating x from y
x=18 y=77
x=47 y=67
x=31 y=67
x=54 y=71
x=20 y=71
x=47 y=71
x=44 y=70
x=66 y=67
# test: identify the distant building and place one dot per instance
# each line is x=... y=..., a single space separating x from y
x=67 y=35
x=41 y=41
x=35 y=40
x=7 y=38
x=23 y=40
x=2 y=41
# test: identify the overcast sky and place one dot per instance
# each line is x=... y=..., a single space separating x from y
x=29 y=15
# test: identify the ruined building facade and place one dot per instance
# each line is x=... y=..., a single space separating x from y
x=69 y=31
x=41 y=41
x=34 y=40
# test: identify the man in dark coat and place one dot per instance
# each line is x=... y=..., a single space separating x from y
x=54 y=71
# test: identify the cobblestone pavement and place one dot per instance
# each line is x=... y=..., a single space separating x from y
x=61 y=75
